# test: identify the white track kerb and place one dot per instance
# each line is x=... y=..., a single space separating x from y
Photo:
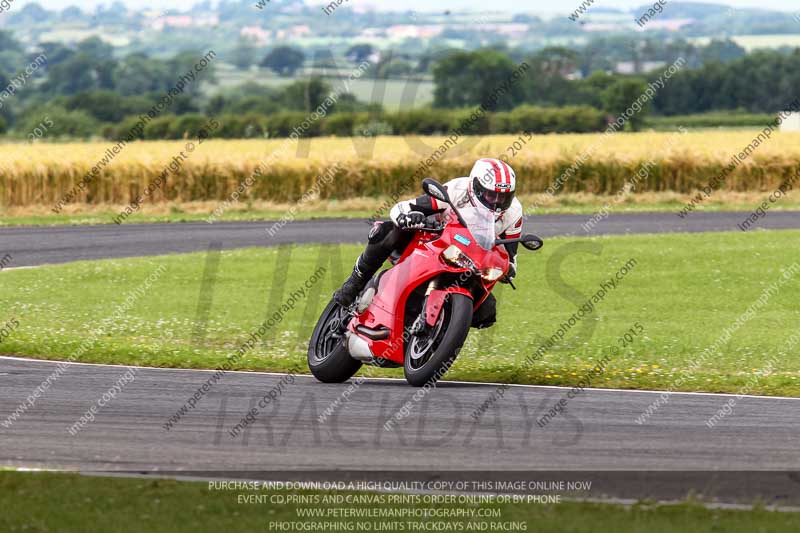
x=396 y=380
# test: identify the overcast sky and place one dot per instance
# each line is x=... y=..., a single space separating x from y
x=544 y=6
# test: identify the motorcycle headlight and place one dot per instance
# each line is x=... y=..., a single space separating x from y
x=492 y=274
x=455 y=257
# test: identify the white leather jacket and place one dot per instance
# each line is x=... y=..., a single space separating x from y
x=507 y=224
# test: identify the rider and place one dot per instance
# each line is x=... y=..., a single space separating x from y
x=491 y=184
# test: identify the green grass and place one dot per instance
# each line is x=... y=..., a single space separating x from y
x=334 y=209
x=107 y=217
x=716 y=119
x=394 y=97
x=45 y=502
x=685 y=290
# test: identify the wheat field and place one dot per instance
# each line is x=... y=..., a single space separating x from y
x=44 y=173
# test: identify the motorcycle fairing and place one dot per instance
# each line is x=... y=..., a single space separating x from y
x=420 y=261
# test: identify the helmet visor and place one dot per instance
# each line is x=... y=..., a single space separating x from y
x=494 y=200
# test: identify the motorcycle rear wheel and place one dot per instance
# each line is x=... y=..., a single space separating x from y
x=428 y=358
x=328 y=358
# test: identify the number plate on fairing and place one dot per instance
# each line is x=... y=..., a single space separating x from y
x=463 y=240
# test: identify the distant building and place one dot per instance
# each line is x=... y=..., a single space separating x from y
x=508 y=29
x=791 y=123
x=666 y=24
x=256 y=33
x=629 y=67
x=404 y=31
x=173 y=21
x=602 y=26
x=183 y=21
x=300 y=31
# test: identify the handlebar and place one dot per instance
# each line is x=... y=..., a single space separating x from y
x=531 y=242
x=436 y=228
x=432 y=226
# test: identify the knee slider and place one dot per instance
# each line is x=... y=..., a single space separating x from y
x=380 y=230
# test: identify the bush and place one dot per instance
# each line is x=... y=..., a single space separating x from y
x=159 y=128
x=128 y=129
x=340 y=124
x=716 y=119
x=187 y=126
x=249 y=126
x=501 y=123
x=583 y=119
x=59 y=123
x=373 y=128
x=285 y=123
x=572 y=119
x=576 y=119
x=470 y=122
x=421 y=121
x=108 y=106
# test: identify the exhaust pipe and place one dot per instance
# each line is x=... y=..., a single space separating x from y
x=359 y=349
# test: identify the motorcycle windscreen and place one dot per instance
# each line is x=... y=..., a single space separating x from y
x=480 y=222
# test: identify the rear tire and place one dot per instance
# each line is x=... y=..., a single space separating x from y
x=328 y=358
x=423 y=366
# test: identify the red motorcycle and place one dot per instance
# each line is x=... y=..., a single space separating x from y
x=417 y=314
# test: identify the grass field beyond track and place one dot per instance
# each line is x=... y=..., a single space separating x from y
x=678 y=299
x=344 y=168
x=44 y=502
x=364 y=208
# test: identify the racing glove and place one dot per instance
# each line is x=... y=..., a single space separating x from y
x=510 y=275
x=412 y=220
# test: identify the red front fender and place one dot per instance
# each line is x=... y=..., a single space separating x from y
x=435 y=301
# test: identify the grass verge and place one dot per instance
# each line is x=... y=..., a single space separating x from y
x=364 y=208
x=684 y=291
x=44 y=502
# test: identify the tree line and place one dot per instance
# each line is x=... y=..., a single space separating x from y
x=84 y=91
x=764 y=81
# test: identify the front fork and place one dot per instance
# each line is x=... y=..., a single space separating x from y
x=422 y=323
x=433 y=305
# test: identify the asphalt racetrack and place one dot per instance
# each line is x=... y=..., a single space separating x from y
x=30 y=246
x=748 y=454
x=439 y=437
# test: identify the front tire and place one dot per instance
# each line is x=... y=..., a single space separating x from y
x=429 y=357
x=328 y=358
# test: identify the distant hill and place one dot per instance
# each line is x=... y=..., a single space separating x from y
x=684 y=10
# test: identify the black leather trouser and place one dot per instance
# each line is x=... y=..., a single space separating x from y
x=384 y=238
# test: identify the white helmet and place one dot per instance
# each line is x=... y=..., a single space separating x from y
x=493 y=184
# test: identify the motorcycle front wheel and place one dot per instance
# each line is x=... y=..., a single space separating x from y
x=328 y=358
x=429 y=355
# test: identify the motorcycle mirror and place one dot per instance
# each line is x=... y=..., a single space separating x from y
x=433 y=188
x=532 y=242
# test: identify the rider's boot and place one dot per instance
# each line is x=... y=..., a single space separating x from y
x=366 y=266
x=383 y=239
